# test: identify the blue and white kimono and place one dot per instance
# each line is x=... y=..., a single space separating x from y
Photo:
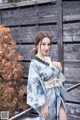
x=38 y=95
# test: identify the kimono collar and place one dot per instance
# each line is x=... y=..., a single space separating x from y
x=40 y=60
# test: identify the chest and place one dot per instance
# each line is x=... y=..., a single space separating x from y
x=47 y=72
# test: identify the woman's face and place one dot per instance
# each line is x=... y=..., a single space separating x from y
x=44 y=46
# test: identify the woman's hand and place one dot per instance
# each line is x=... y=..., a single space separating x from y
x=48 y=60
x=44 y=111
x=58 y=65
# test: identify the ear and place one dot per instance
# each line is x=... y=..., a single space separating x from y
x=37 y=46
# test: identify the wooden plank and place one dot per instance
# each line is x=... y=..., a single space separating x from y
x=69 y=5
x=69 y=14
x=24 y=50
x=72 y=71
x=71 y=26
x=71 y=32
x=74 y=95
x=71 y=35
x=72 y=52
x=30 y=15
x=19 y=16
x=69 y=18
x=27 y=34
x=47 y=14
x=26 y=3
x=73 y=111
x=25 y=69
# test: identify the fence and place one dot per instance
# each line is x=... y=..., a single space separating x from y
x=12 y=1
x=61 y=19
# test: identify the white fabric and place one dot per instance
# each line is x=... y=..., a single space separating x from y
x=52 y=84
x=37 y=118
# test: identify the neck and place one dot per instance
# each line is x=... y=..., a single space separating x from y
x=40 y=56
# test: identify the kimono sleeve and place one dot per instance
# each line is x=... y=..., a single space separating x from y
x=35 y=91
x=63 y=92
x=61 y=77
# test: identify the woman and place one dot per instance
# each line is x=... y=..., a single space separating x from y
x=45 y=92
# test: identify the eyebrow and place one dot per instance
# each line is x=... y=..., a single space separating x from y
x=45 y=42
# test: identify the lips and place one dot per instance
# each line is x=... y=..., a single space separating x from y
x=46 y=51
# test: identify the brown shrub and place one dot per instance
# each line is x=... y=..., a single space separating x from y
x=11 y=88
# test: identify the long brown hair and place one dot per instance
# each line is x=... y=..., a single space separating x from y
x=39 y=37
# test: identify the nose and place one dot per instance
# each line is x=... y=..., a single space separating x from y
x=46 y=47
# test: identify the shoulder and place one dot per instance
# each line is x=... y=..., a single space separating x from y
x=36 y=64
x=32 y=63
x=33 y=67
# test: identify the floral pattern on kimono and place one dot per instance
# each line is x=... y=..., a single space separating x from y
x=38 y=95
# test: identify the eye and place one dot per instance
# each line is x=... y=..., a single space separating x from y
x=43 y=44
x=49 y=44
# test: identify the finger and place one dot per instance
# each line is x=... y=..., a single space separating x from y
x=46 y=115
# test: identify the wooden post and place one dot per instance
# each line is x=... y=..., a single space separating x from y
x=60 y=32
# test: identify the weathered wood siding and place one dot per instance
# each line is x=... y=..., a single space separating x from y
x=27 y=18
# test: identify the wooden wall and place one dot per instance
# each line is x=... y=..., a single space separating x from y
x=27 y=18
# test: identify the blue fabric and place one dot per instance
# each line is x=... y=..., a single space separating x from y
x=38 y=95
